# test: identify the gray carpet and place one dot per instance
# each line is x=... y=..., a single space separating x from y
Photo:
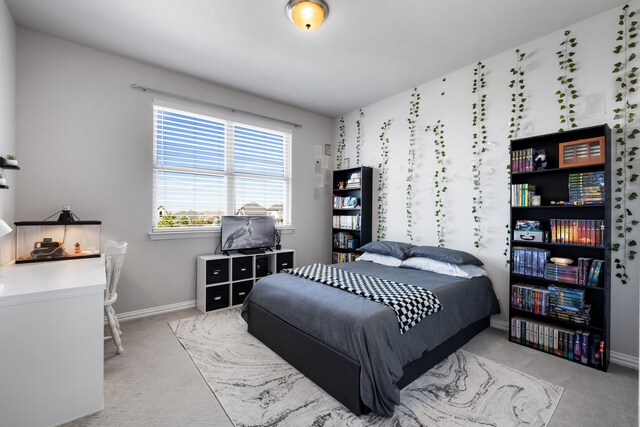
x=258 y=388
x=155 y=383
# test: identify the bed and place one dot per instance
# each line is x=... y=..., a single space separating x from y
x=351 y=346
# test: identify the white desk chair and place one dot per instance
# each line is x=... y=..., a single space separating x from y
x=114 y=253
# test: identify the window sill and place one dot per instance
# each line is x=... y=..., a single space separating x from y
x=199 y=234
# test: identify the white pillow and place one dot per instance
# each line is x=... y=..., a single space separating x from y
x=387 y=260
x=466 y=271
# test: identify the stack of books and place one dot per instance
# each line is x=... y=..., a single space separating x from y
x=339 y=257
x=521 y=194
x=351 y=222
x=523 y=160
x=586 y=188
x=568 y=304
x=580 y=346
x=354 y=180
x=530 y=298
x=561 y=273
x=344 y=241
x=529 y=261
x=587 y=232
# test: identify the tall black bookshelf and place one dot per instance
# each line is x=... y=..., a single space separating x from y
x=352 y=205
x=552 y=184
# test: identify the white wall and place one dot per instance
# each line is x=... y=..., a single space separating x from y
x=596 y=38
x=7 y=123
x=85 y=138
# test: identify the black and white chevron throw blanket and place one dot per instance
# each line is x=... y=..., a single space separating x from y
x=410 y=303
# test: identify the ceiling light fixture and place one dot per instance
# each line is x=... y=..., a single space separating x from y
x=307 y=15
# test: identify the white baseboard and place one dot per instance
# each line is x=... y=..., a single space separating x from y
x=617 y=358
x=624 y=360
x=503 y=325
x=137 y=314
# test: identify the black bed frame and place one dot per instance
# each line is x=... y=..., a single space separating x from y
x=337 y=374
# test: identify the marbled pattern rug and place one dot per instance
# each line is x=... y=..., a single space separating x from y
x=257 y=388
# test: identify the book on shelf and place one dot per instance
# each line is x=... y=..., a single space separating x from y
x=561 y=273
x=523 y=160
x=585 y=232
x=521 y=194
x=347 y=202
x=562 y=303
x=346 y=221
x=577 y=345
x=339 y=257
x=595 y=273
x=344 y=241
x=587 y=188
x=583 y=270
x=530 y=298
x=354 y=180
x=569 y=304
x=529 y=261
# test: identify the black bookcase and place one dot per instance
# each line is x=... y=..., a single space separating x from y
x=345 y=185
x=552 y=185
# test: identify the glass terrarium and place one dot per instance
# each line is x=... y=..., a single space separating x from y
x=38 y=241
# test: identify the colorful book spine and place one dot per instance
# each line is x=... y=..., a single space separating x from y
x=576 y=345
x=530 y=298
x=349 y=222
x=586 y=232
x=523 y=160
x=561 y=273
x=595 y=273
x=587 y=188
x=340 y=257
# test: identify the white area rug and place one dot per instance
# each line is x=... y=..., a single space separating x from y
x=257 y=388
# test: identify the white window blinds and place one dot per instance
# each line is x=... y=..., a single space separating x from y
x=205 y=167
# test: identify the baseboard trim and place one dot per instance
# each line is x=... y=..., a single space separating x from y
x=503 y=325
x=624 y=360
x=146 y=312
x=617 y=358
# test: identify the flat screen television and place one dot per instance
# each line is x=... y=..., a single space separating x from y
x=241 y=233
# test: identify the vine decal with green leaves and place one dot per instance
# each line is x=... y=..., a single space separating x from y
x=414 y=109
x=439 y=178
x=359 y=136
x=567 y=94
x=517 y=95
x=341 y=145
x=479 y=147
x=382 y=183
x=626 y=138
x=518 y=100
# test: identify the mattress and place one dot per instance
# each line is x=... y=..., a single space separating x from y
x=368 y=331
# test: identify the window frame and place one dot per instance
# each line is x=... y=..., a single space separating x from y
x=161 y=233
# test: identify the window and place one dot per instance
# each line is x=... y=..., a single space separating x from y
x=205 y=167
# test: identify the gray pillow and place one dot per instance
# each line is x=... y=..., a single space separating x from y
x=443 y=254
x=385 y=247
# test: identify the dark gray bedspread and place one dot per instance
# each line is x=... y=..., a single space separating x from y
x=368 y=331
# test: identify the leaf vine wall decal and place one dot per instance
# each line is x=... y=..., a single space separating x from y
x=382 y=183
x=479 y=148
x=567 y=94
x=414 y=109
x=439 y=178
x=626 y=137
x=341 y=145
x=359 y=136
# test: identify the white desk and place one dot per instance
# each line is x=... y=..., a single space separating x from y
x=51 y=341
